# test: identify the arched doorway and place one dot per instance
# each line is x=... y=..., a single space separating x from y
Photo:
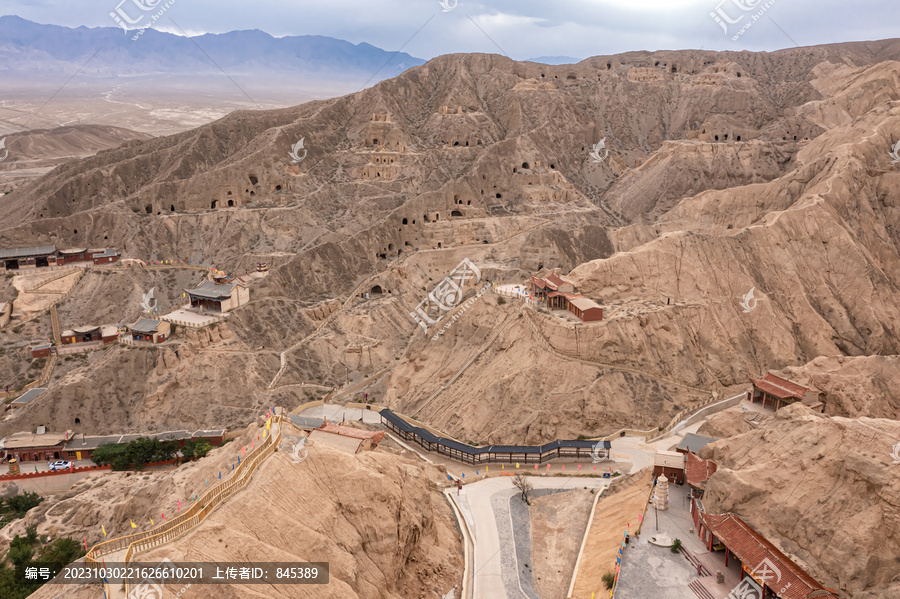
x=376 y=290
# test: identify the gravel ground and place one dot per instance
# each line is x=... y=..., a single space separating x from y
x=514 y=527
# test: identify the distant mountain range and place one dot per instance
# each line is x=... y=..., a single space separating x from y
x=35 y=49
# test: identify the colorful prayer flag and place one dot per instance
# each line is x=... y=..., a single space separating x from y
x=220 y=475
x=163 y=515
x=476 y=472
x=517 y=464
x=463 y=474
x=449 y=477
x=564 y=466
x=133 y=525
x=151 y=520
x=85 y=544
x=579 y=466
x=535 y=466
x=103 y=528
x=178 y=509
x=548 y=466
x=595 y=467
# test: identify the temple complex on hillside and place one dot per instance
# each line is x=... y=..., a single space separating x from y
x=560 y=294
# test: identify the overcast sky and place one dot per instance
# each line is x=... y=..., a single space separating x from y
x=519 y=28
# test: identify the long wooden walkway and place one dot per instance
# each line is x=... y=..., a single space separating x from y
x=124 y=549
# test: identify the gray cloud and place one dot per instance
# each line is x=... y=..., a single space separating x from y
x=522 y=28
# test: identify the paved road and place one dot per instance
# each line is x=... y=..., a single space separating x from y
x=26 y=467
x=498 y=568
x=336 y=413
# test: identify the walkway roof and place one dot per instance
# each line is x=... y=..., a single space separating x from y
x=430 y=437
x=779 y=387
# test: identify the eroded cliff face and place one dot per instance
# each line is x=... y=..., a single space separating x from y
x=726 y=172
x=823 y=488
x=377 y=517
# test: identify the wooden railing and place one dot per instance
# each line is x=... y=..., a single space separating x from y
x=193 y=516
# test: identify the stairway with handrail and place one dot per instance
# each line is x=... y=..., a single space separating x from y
x=130 y=545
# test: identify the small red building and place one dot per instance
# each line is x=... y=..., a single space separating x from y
x=669 y=464
x=775 y=392
x=697 y=472
x=41 y=351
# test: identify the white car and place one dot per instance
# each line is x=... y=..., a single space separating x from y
x=60 y=465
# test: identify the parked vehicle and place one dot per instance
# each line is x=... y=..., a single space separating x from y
x=60 y=465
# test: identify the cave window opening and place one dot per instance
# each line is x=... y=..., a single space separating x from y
x=427 y=220
x=105 y=237
x=391 y=247
x=455 y=143
x=437 y=217
x=75 y=231
x=213 y=204
x=525 y=165
x=499 y=196
x=738 y=138
x=78 y=421
x=726 y=137
x=456 y=213
x=172 y=208
x=795 y=138
x=439 y=244
x=229 y=193
x=414 y=221
x=467 y=144
x=254 y=180
x=738 y=74
x=608 y=66
x=376 y=290
x=404 y=221
x=469 y=203
x=149 y=209
x=553 y=166
x=230 y=203
x=252 y=193
x=278 y=188
x=717 y=138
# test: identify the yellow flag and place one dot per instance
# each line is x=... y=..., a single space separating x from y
x=133 y=525
x=268 y=424
x=517 y=464
x=487 y=468
x=103 y=528
x=151 y=520
x=502 y=467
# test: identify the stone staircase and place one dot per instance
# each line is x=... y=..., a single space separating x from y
x=54 y=321
x=701 y=591
x=695 y=562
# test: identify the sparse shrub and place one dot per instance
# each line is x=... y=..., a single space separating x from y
x=609 y=579
x=676 y=546
x=500 y=301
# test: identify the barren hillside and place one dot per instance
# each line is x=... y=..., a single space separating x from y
x=823 y=488
x=726 y=172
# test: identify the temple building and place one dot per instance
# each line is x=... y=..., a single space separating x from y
x=765 y=570
x=697 y=472
x=775 y=392
x=669 y=464
x=559 y=294
x=149 y=330
x=218 y=295
x=48 y=255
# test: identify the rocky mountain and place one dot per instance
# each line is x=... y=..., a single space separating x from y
x=38 y=50
x=725 y=173
x=823 y=488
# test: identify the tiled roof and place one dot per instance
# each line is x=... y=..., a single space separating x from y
x=583 y=303
x=693 y=442
x=558 y=280
x=698 y=470
x=669 y=459
x=28 y=252
x=752 y=549
x=779 y=387
x=145 y=325
x=430 y=437
x=210 y=290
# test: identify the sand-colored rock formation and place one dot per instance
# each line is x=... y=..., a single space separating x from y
x=824 y=489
